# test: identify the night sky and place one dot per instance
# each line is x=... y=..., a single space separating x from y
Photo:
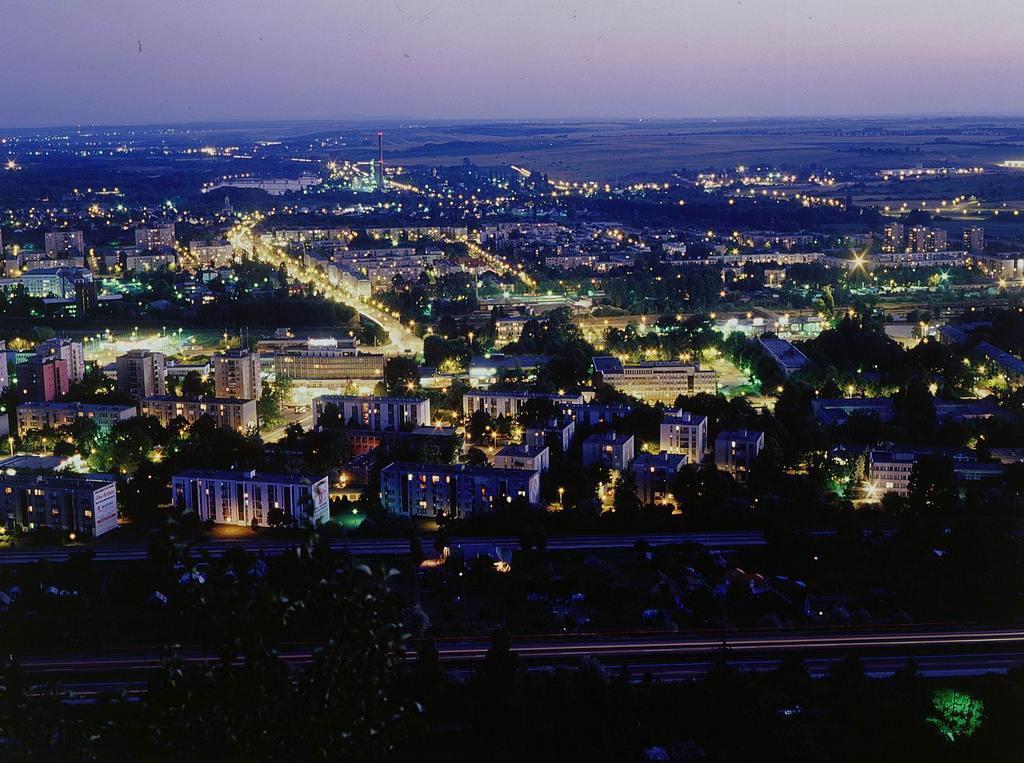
x=139 y=61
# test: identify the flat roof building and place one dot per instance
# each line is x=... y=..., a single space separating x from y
x=243 y=497
x=231 y=413
x=453 y=490
x=609 y=449
x=736 y=451
x=236 y=373
x=380 y=414
x=533 y=458
x=786 y=356
x=655 y=381
x=140 y=373
x=686 y=433
x=84 y=504
x=322 y=364
x=655 y=475
x=39 y=415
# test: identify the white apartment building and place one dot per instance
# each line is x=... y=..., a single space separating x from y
x=240 y=497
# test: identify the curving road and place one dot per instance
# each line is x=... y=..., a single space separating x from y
x=403 y=341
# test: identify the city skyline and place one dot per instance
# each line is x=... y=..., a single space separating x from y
x=143 y=63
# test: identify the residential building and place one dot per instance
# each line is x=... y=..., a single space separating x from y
x=143 y=260
x=324 y=364
x=37 y=415
x=736 y=451
x=921 y=238
x=225 y=411
x=893 y=238
x=655 y=381
x=507 y=403
x=236 y=373
x=71 y=352
x=453 y=490
x=43 y=378
x=84 y=504
x=974 y=239
x=155 y=237
x=555 y=433
x=380 y=414
x=62 y=243
x=140 y=373
x=211 y=254
x=609 y=449
x=655 y=475
x=243 y=497
x=533 y=458
x=685 y=433
x=593 y=414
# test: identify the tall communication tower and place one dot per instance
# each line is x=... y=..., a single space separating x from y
x=379 y=169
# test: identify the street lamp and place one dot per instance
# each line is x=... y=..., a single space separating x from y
x=561 y=496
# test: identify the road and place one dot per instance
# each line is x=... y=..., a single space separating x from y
x=273 y=546
x=938 y=652
x=403 y=341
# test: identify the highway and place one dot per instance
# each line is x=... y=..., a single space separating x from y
x=403 y=341
x=273 y=545
x=938 y=651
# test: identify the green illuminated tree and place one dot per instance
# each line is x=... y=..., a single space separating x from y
x=958 y=714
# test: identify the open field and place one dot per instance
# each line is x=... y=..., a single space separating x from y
x=612 y=150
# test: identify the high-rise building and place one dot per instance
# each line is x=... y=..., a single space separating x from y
x=140 y=373
x=974 y=239
x=62 y=243
x=43 y=378
x=155 y=237
x=236 y=373
x=921 y=239
x=892 y=238
x=68 y=350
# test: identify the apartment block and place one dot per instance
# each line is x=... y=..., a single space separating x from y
x=380 y=414
x=453 y=490
x=736 y=451
x=37 y=415
x=685 y=433
x=242 y=497
x=225 y=411
x=140 y=373
x=236 y=373
x=82 y=504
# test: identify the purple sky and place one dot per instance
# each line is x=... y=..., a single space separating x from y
x=70 y=61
